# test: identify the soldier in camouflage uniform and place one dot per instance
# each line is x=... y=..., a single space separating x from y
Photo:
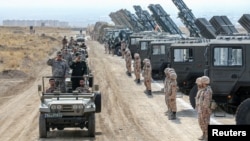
x=82 y=88
x=144 y=65
x=204 y=96
x=171 y=95
x=123 y=48
x=166 y=85
x=128 y=59
x=67 y=56
x=137 y=67
x=52 y=87
x=147 y=77
x=64 y=42
x=60 y=70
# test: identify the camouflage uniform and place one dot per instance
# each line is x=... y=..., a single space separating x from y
x=144 y=65
x=137 y=67
x=128 y=60
x=51 y=89
x=106 y=46
x=147 y=77
x=172 y=90
x=64 y=42
x=167 y=72
x=204 y=98
x=67 y=56
x=82 y=89
x=60 y=70
x=71 y=42
x=123 y=47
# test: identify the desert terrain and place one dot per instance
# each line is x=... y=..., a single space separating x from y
x=128 y=114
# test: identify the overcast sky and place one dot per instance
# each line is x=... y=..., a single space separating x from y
x=78 y=12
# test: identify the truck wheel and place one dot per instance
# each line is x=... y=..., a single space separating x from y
x=91 y=125
x=42 y=126
x=98 y=103
x=192 y=96
x=243 y=113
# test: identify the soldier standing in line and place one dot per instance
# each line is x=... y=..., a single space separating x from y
x=128 y=60
x=199 y=87
x=204 y=109
x=137 y=67
x=166 y=82
x=148 y=77
x=172 y=90
x=60 y=70
x=123 y=48
x=106 y=46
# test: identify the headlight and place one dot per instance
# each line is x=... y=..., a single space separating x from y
x=80 y=106
x=53 y=107
x=74 y=107
x=59 y=107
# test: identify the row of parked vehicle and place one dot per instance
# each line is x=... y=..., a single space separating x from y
x=224 y=60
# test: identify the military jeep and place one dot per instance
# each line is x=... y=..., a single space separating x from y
x=70 y=109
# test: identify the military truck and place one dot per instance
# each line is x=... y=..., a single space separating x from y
x=187 y=58
x=133 y=41
x=227 y=65
x=159 y=54
x=71 y=109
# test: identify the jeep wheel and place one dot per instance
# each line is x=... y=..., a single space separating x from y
x=243 y=113
x=91 y=125
x=42 y=126
x=192 y=96
x=98 y=103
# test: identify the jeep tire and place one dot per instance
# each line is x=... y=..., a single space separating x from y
x=98 y=102
x=91 y=125
x=192 y=96
x=42 y=126
x=243 y=113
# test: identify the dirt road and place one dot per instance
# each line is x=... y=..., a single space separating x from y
x=128 y=114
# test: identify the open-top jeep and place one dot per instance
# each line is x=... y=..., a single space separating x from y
x=59 y=110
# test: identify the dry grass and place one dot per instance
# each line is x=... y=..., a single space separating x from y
x=20 y=50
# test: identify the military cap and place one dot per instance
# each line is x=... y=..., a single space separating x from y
x=205 y=80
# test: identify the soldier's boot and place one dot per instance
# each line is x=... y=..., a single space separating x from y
x=138 y=81
x=205 y=138
x=173 y=116
x=149 y=92
x=202 y=137
x=129 y=73
x=169 y=114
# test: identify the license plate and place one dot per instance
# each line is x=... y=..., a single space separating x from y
x=53 y=115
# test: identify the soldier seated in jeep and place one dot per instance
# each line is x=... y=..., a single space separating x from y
x=83 y=88
x=52 y=87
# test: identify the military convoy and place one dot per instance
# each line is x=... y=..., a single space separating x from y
x=206 y=52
